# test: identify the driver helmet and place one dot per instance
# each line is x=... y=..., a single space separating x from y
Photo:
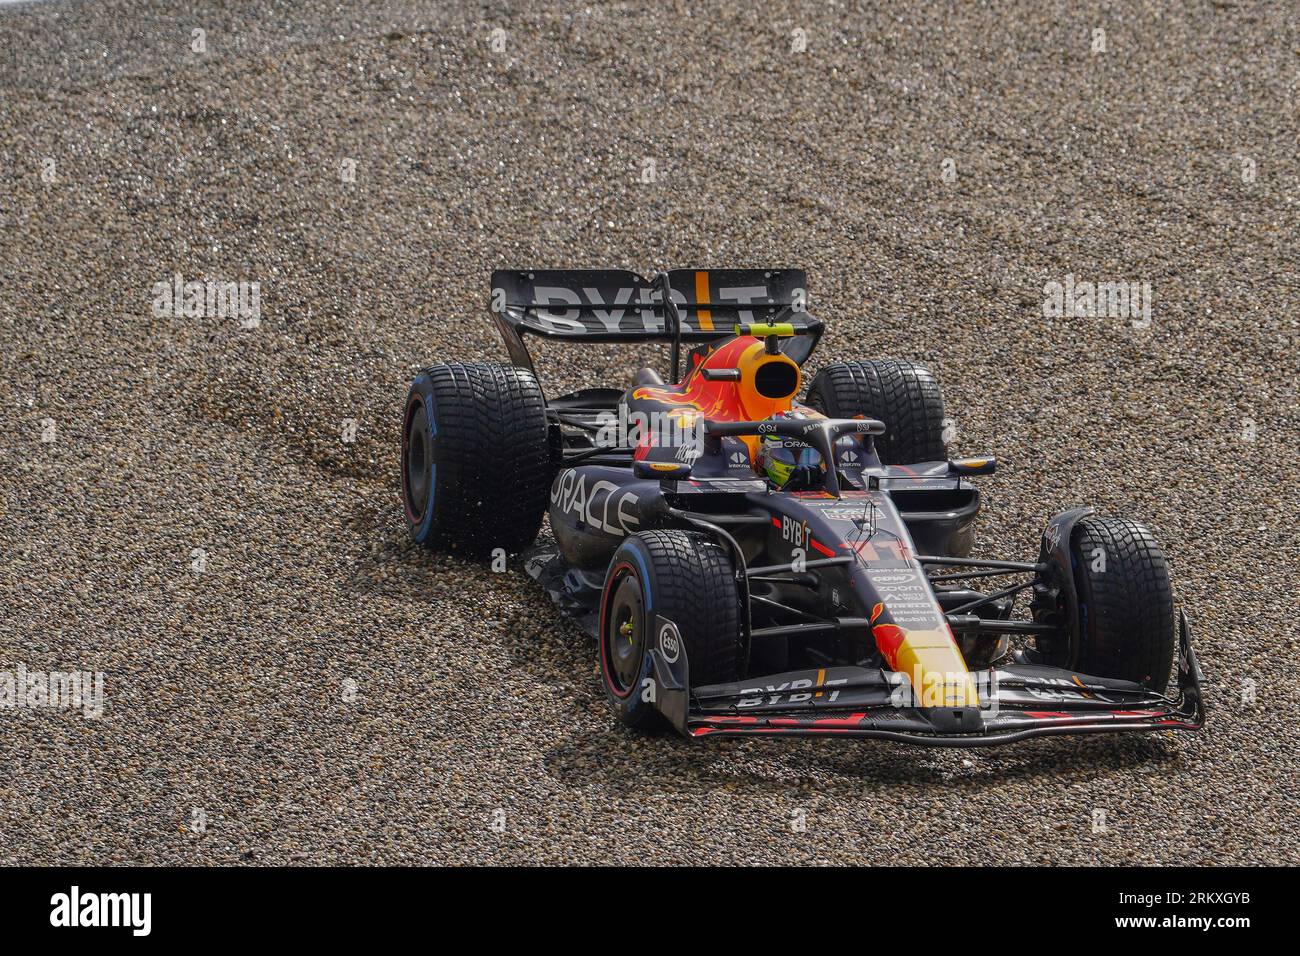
x=790 y=464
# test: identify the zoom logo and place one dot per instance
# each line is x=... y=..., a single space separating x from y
x=889 y=579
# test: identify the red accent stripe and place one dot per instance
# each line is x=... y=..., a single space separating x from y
x=822 y=548
x=604 y=631
x=853 y=720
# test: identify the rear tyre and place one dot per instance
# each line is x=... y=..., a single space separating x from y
x=684 y=578
x=475 y=460
x=1126 y=604
x=904 y=396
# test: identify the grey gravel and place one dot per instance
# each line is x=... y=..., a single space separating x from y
x=323 y=691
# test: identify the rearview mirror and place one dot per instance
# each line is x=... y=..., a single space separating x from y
x=663 y=470
x=972 y=466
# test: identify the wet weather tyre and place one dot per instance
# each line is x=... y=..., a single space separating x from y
x=1126 y=603
x=904 y=396
x=475 y=459
x=681 y=577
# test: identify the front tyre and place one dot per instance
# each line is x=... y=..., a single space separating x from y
x=904 y=396
x=685 y=578
x=1126 y=603
x=475 y=460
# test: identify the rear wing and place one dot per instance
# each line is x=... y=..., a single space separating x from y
x=615 y=305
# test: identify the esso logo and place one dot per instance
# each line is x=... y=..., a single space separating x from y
x=670 y=642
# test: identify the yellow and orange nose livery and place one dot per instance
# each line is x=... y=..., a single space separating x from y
x=931 y=660
x=933 y=663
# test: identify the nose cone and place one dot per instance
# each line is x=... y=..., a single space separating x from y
x=929 y=656
x=933 y=663
x=908 y=625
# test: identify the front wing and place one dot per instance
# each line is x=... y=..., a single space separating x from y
x=1018 y=701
